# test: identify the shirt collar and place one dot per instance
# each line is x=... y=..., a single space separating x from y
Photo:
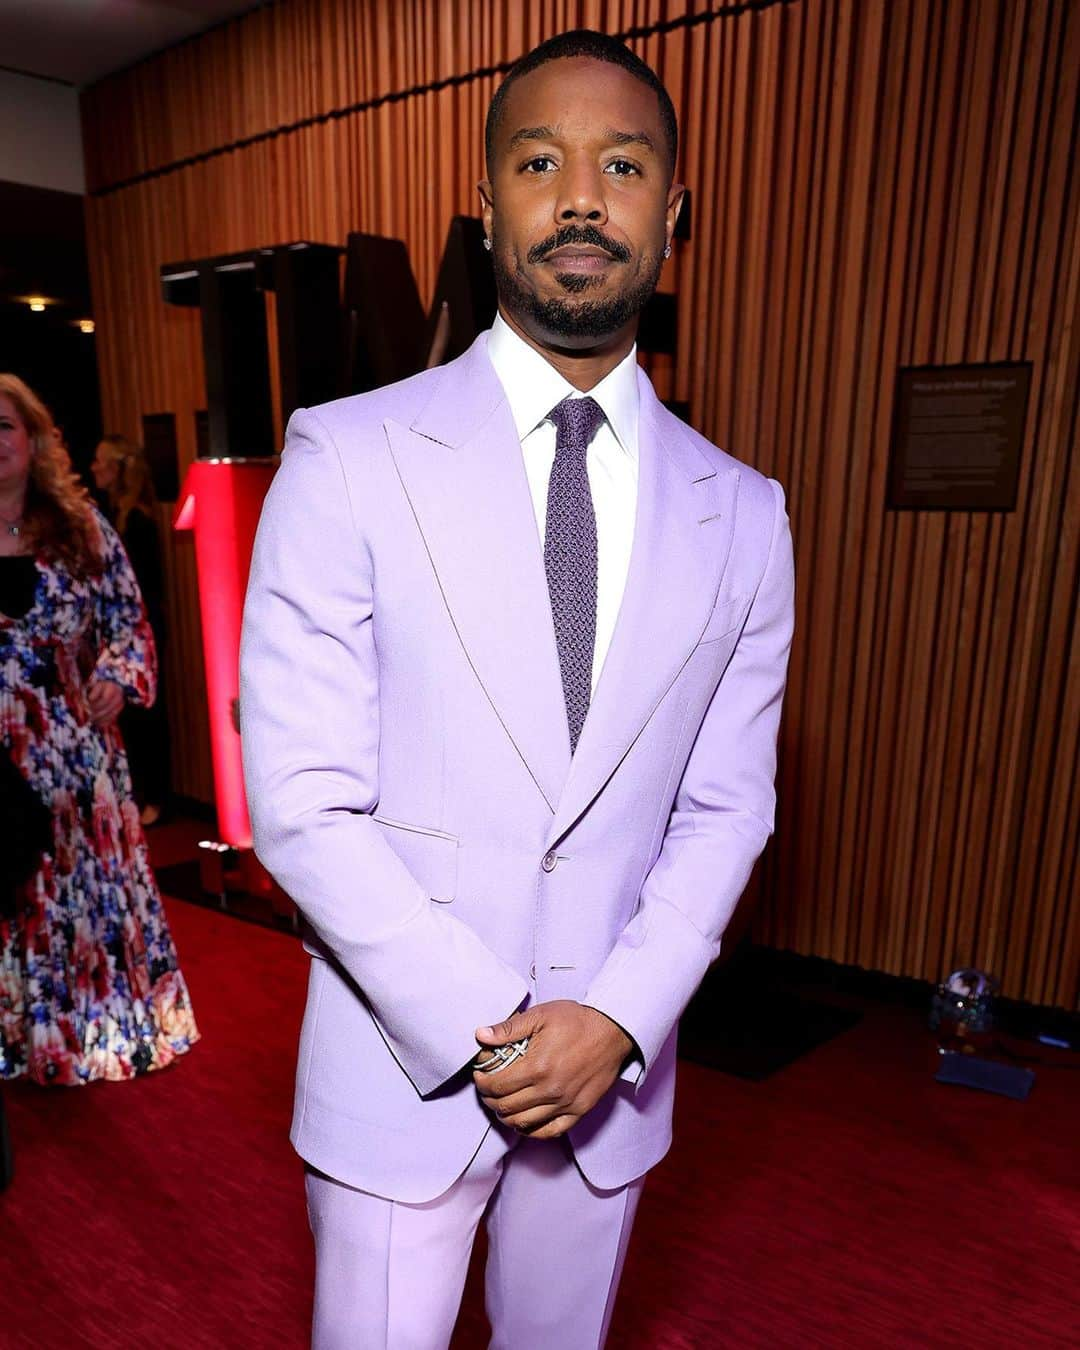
x=533 y=386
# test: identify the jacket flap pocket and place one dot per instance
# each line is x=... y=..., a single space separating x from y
x=429 y=854
x=728 y=614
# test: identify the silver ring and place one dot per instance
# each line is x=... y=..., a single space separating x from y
x=502 y=1056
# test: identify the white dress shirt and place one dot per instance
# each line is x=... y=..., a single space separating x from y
x=533 y=388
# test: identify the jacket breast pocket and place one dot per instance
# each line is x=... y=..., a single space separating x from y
x=430 y=855
x=728 y=615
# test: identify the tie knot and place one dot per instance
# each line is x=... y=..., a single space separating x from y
x=576 y=421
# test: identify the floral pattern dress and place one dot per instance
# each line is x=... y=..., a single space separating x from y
x=90 y=987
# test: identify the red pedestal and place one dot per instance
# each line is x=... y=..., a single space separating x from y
x=221 y=501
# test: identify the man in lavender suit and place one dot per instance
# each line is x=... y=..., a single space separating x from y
x=514 y=653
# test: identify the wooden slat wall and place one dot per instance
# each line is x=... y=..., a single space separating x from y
x=877 y=183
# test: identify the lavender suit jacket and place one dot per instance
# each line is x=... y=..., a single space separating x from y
x=409 y=772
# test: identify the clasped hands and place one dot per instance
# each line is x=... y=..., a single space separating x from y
x=575 y=1054
x=104 y=702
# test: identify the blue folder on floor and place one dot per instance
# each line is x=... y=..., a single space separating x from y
x=1008 y=1080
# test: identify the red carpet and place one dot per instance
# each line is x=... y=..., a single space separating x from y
x=849 y=1201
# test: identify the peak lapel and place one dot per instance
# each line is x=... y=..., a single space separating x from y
x=682 y=536
x=461 y=467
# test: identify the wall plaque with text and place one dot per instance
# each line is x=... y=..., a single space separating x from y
x=957 y=435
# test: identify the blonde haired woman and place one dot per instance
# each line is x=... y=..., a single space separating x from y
x=122 y=477
x=90 y=987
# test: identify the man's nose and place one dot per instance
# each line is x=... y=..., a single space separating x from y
x=581 y=195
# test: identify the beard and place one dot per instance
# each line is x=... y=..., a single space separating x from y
x=573 y=318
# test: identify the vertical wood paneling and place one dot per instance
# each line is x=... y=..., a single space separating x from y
x=875 y=185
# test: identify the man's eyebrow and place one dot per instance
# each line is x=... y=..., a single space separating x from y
x=630 y=138
x=531 y=134
x=613 y=137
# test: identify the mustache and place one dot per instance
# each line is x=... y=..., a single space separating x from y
x=578 y=234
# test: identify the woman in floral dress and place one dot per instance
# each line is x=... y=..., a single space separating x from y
x=90 y=987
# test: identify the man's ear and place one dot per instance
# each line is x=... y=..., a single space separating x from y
x=675 y=196
x=487 y=205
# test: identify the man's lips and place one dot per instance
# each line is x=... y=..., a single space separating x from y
x=580 y=258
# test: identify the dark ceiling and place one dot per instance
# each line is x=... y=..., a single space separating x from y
x=43 y=250
x=80 y=41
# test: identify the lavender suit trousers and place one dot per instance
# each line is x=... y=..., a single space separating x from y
x=390 y=1274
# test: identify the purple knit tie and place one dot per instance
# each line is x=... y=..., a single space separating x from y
x=570 y=554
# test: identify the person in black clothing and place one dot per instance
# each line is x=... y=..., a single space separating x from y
x=125 y=488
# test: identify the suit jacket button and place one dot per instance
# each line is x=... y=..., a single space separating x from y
x=549 y=862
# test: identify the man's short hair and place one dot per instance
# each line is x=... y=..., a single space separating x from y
x=600 y=47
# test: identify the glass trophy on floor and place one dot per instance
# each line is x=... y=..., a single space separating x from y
x=962 y=1017
x=962 y=1012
